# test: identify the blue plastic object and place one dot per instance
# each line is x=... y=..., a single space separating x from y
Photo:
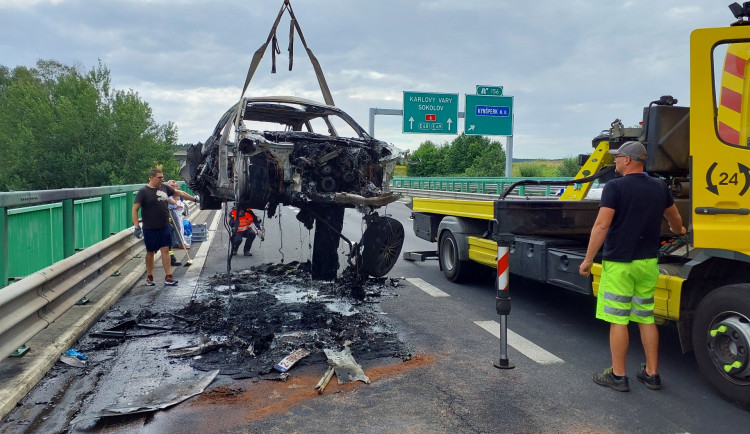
x=74 y=353
x=187 y=227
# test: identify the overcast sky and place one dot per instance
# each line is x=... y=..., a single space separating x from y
x=572 y=66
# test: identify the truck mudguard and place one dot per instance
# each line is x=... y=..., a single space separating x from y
x=462 y=228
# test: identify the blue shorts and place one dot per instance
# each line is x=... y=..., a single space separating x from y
x=155 y=239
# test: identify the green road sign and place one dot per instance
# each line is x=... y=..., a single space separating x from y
x=489 y=115
x=430 y=113
x=489 y=90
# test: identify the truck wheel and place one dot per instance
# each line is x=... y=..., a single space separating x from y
x=454 y=269
x=721 y=341
x=381 y=245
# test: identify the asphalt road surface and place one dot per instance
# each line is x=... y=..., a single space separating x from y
x=449 y=384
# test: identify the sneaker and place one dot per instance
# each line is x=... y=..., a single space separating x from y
x=175 y=262
x=248 y=254
x=607 y=379
x=653 y=382
x=150 y=281
x=169 y=280
x=234 y=252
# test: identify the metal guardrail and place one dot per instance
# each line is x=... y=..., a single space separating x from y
x=44 y=226
x=29 y=305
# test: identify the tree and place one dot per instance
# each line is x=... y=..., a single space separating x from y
x=465 y=156
x=462 y=152
x=61 y=127
x=427 y=160
x=490 y=162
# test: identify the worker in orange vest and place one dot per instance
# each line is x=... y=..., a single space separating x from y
x=248 y=227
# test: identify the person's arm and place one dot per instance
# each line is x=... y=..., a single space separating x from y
x=675 y=220
x=136 y=207
x=598 y=235
x=186 y=195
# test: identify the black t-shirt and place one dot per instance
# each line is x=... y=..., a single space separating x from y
x=154 y=205
x=639 y=202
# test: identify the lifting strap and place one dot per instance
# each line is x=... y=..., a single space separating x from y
x=257 y=57
x=294 y=25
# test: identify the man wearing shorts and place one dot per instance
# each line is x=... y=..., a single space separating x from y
x=151 y=200
x=629 y=227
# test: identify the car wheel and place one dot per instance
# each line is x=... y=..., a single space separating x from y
x=381 y=245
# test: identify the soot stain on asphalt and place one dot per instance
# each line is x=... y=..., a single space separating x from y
x=264 y=313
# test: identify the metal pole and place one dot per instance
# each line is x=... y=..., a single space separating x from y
x=3 y=246
x=371 y=127
x=509 y=157
x=502 y=302
x=129 y=200
x=69 y=230
x=106 y=213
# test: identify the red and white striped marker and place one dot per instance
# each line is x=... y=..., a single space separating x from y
x=503 y=253
x=502 y=302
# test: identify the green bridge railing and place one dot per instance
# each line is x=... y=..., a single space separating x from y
x=39 y=228
x=476 y=185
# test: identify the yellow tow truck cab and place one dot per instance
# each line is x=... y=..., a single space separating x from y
x=703 y=153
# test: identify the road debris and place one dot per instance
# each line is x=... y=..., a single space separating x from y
x=162 y=397
x=268 y=311
x=195 y=350
x=347 y=369
x=73 y=361
x=75 y=353
x=287 y=362
x=320 y=387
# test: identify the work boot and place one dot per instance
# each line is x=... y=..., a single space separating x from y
x=653 y=382
x=608 y=379
x=175 y=262
x=169 y=280
x=234 y=252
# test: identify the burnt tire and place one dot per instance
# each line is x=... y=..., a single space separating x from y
x=381 y=246
x=253 y=182
x=453 y=267
x=721 y=341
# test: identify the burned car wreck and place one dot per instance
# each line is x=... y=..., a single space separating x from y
x=293 y=151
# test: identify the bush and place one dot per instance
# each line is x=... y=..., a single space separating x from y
x=531 y=170
x=569 y=167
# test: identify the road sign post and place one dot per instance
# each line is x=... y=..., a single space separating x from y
x=430 y=113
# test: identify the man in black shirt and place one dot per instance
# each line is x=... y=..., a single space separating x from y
x=629 y=227
x=151 y=200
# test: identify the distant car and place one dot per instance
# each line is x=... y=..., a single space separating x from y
x=267 y=151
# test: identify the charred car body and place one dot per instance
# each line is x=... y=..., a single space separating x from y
x=296 y=164
x=293 y=151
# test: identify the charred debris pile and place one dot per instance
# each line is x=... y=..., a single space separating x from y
x=250 y=322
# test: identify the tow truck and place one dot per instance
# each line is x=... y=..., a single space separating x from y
x=703 y=153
